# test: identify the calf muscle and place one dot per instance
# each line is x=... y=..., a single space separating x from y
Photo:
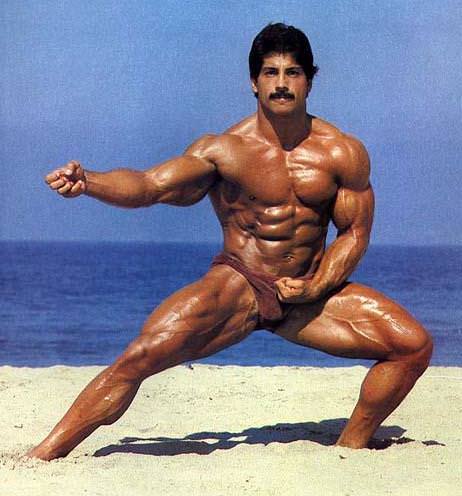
x=362 y=323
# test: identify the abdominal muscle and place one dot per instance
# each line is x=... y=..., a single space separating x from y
x=290 y=247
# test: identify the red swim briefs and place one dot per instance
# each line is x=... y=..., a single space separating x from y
x=270 y=308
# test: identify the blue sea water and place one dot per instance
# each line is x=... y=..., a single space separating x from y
x=82 y=303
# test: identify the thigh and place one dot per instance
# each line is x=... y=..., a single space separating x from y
x=356 y=322
x=205 y=316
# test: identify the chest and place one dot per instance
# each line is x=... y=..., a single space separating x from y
x=275 y=177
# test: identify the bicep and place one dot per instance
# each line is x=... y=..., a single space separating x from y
x=353 y=208
x=353 y=211
x=183 y=180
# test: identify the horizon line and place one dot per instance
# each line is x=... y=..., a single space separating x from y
x=208 y=242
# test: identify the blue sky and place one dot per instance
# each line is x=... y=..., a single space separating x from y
x=132 y=83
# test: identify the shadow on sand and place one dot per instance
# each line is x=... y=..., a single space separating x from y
x=325 y=433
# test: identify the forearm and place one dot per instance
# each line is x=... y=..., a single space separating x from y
x=338 y=263
x=353 y=213
x=121 y=187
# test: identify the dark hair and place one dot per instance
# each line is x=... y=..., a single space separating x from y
x=280 y=38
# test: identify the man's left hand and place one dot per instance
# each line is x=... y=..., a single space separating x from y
x=291 y=290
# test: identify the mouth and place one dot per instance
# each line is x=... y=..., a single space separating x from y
x=285 y=97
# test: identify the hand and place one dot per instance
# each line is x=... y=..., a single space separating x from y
x=291 y=290
x=68 y=181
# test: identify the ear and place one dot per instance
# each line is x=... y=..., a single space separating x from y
x=253 y=82
x=309 y=86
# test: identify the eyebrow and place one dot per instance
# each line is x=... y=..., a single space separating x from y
x=287 y=68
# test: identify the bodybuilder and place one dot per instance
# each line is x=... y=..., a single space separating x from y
x=276 y=180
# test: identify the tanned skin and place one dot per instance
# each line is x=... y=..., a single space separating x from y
x=276 y=180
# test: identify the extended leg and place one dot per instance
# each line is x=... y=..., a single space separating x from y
x=359 y=322
x=199 y=320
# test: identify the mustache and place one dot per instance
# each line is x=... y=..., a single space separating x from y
x=282 y=94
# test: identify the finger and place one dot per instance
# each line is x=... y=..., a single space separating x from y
x=295 y=283
x=279 y=286
x=290 y=282
x=72 y=166
x=67 y=170
x=281 y=283
x=57 y=184
x=52 y=176
x=282 y=290
x=77 y=188
x=65 y=188
x=293 y=293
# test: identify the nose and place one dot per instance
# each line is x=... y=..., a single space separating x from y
x=282 y=81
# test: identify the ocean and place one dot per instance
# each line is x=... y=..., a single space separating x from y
x=82 y=303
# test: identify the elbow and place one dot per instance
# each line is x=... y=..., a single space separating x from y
x=361 y=241
x=157 y=190
x=146 y=192
x=136 y=200
x=357 y=239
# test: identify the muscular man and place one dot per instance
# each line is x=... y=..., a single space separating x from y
x=276 y=180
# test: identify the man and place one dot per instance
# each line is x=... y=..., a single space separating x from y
x=276 y=180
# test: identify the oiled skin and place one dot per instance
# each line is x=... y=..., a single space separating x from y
x=275 y=205
x=276 y=180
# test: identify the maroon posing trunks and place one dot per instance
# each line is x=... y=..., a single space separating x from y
x=270 y=308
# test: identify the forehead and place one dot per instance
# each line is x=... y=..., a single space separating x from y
x=280 y=60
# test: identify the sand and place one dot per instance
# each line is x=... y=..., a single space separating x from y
x=234 y=431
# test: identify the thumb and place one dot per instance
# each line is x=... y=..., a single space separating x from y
x=71 y=168
x=294 y=283
x=282 y=281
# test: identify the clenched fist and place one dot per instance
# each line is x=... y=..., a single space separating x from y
x=291 y=290
x=69 y=181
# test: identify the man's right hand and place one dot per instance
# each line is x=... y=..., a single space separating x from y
x=68 y=181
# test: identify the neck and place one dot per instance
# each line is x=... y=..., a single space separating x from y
x=286 y=131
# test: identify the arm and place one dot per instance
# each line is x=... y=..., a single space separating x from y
x=352 y=214
x=181 y=181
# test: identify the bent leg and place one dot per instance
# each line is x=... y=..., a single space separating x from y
x=199 y=320
x=358 y=322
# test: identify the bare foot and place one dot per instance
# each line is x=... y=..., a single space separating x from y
x=41 y=454
x=352 y=444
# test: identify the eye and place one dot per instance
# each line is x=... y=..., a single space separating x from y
x=270 y=72
x=293 y=72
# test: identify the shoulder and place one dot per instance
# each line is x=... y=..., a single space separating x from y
x=348 y=155
x=203 y=147
x=215 y=146
x=207 y=148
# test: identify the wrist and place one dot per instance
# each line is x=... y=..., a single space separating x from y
x=87 y=180
x=312 y=292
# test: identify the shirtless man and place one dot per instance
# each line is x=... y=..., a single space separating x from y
x=276 y=180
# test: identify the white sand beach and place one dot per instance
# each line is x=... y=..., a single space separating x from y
x=215 y=431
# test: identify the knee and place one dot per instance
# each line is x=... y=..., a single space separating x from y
x=425 y=351
x=416 y=346
x=150 y=354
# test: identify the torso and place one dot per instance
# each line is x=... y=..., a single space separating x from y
x=274 y=205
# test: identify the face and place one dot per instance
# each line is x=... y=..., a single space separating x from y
x=282 y=85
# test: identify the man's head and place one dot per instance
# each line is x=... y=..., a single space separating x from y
x=281 y=69
x=280 y=38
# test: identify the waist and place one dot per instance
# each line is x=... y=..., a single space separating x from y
x=269 y=273
x=277 y=258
